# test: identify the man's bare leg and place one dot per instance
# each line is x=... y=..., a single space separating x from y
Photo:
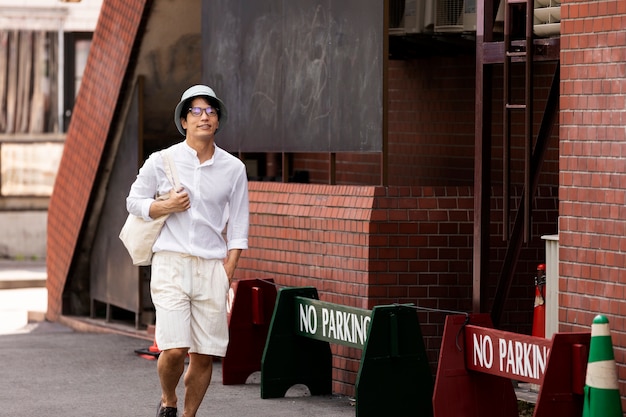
x=170 y=367
x=197 y=380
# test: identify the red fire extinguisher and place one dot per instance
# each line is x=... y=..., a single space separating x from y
x=539 y=312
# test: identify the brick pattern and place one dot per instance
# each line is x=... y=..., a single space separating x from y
x=360 y=245
x=352 y=168
x=96 y=103
x=431 y=128
x=592 y=221
x=368 y=246
x=431 y=121
x=314 y=235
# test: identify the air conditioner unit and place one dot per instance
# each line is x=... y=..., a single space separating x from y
x=547 y=18
x=449 y=15
x=469 y=16
x=407 y=16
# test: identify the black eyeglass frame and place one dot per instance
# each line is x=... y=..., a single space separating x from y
x=210 y=111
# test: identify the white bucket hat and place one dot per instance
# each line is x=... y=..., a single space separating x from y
x=197 y=91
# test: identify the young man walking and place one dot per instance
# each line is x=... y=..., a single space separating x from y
x=193 y=263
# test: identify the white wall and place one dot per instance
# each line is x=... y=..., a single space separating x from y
x=48 y=14
x=23 y=234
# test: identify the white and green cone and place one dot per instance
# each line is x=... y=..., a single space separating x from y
x=602 y=398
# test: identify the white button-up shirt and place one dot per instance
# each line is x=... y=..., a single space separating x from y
x=218 y=192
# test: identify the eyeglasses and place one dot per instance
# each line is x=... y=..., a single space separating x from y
x=197 y=111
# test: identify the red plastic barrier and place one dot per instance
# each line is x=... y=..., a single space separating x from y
x=459 y=392
x=477 y=364
x=251 y=312
x=563 y=384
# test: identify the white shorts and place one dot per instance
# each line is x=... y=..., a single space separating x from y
x=189 y=295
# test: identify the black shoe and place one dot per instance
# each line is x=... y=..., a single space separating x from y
x=166 y=411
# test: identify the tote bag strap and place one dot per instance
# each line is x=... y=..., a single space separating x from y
x=170 y=170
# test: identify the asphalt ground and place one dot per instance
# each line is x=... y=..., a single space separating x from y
x=53 y=370
x=48 y=369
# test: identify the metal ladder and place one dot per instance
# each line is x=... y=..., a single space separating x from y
x=518 y=51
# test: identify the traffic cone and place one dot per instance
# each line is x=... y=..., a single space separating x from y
x=539 y=315
x=151 y=352
x=154 y=348
x=539 y=310
x=602 y=398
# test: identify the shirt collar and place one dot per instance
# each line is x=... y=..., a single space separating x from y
x=192 y=152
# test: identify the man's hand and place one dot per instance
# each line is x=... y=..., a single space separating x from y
x=178 y=201
x=230 y=263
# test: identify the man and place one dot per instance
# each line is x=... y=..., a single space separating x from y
x=193 y=264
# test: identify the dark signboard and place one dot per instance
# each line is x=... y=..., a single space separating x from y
x=332 y=323
x=296 y=76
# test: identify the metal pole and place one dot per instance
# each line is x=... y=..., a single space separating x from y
x=60 y=78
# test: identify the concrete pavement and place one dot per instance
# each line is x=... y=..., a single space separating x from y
x=16 y=274
x=23 y=294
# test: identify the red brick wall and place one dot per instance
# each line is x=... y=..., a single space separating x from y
x=420 y=245
x=431 y=121
x=431 y=128
x=367 y=246
x=86 y=137
x=592 y=222
x=359 y=245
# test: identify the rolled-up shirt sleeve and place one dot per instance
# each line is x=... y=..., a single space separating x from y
x=143 y=190
x=239 y=214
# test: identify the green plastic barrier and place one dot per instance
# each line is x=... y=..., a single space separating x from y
x=289 y=359
x=394 y=377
